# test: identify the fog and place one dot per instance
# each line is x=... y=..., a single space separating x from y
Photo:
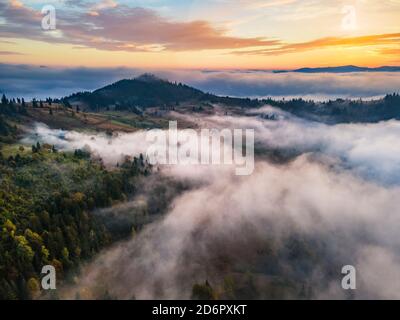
x=337 y=198
x=371 y=150
x=231 y=218
x=110 y=149
x=39 y=81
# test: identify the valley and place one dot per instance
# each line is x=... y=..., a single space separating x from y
x=77 y=192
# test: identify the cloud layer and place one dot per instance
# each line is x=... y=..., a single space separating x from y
x=339 y=198
x=33 y=81
x=369 y=150
x=353 y=221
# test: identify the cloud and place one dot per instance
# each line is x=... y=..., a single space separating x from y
x=33 y=81
x=111 y=150
x=390 y=51
x=333 y=199
x=195 y=242
x=105 y=4
x=370 y=150
x=21 y=22
x=40 y=81
x=361 y=41
x=7 y=53
x=253 y=83
x=109 y=26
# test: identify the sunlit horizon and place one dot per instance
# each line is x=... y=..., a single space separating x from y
x=268 y=35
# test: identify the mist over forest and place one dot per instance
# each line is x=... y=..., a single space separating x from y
x=196 y=156
x=321 y=197
x=80 y=193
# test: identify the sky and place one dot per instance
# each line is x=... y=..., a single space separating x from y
x=198 y=34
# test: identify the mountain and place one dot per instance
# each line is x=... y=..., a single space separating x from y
x=147 y=91
x=342 y=69
x=143 y=91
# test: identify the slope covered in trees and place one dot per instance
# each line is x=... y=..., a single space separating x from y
x=343 y=111
x=144 y=91
x=148 y=91
x=46 y=199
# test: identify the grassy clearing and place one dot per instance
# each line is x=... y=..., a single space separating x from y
x=13 y=149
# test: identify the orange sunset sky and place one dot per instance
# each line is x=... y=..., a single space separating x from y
x=262 y=34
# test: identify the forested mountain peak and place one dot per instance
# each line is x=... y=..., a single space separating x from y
x=144 y=91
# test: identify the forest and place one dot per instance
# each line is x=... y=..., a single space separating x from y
x=46 y=200
x=64 y=207
x=149 y=91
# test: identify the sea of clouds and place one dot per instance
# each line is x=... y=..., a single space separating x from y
x=41 y=82
x=341 y=190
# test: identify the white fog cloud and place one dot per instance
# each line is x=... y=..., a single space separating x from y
x=341 y=194
x=231 y=216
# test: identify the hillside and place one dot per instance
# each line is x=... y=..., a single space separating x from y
x=342 y=110
x=145 y=102
x=147 y=91
x=144 y=91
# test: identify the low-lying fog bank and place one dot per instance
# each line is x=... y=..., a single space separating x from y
x=285 y=231
x=35 y=81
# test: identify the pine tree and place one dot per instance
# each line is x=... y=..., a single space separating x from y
x=4 y=100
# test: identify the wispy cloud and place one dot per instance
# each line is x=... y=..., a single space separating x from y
x=368 y=40
x=7 y=53
x=246 y=33
x=390 y=51
x=108 y=26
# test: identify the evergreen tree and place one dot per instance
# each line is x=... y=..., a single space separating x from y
x=4 y=100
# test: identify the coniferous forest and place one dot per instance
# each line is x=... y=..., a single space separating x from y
x=46 y=202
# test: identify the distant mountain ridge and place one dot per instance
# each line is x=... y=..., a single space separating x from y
x=342 y=69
